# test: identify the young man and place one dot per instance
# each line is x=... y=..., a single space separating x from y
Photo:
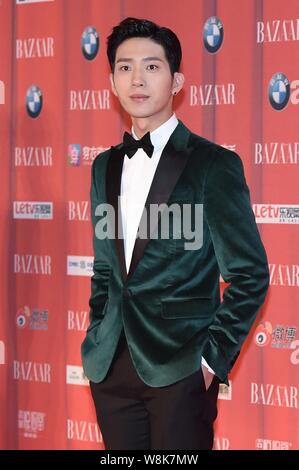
x=159 y=340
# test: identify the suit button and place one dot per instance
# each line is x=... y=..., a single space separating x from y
x=127 y=292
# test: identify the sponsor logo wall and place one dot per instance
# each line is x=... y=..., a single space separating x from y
x=57 y=114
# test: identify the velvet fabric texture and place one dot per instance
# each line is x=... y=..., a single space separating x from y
x=168 y=304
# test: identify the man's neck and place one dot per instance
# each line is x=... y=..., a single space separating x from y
x=143 y=125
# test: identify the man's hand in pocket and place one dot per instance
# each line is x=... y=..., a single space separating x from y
x=208 y=376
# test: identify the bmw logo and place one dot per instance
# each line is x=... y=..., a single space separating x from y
x=34 y=101
x=90 y=43
x=213 y=34
x=279 y=91
x=21 y=321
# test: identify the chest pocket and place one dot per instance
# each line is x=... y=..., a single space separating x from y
x=185 y=221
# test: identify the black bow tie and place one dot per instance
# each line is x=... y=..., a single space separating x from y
x=131 y=145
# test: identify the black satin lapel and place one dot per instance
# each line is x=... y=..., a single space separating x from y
x=113 y=187
x=170 y=167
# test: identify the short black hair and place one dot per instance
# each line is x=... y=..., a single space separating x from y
x=136 y=27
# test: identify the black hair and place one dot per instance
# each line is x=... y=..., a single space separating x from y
x=135 y=27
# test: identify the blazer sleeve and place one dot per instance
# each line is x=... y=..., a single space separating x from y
x=241 y=258
x=101 y=269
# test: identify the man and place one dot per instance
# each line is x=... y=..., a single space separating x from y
x=159 y=340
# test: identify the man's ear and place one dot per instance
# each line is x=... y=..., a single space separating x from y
x=112 y=84
x=178 y=82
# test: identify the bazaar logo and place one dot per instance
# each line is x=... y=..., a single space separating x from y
x=83 y=431
x=274 y=395
x=277 y=31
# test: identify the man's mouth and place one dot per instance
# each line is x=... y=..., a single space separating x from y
x=139 y=98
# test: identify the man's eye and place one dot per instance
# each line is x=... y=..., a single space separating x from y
x=126 y=67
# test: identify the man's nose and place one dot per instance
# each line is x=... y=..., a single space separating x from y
x=137 y=77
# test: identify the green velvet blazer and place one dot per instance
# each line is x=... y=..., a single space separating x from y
x=168 y=304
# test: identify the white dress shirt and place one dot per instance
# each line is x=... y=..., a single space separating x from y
x=137 y=176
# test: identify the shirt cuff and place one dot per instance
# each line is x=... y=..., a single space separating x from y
x=204 y=362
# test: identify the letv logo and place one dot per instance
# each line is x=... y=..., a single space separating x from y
x=32 y=210
x=276 y=213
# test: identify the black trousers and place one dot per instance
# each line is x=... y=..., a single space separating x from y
x=132 y=415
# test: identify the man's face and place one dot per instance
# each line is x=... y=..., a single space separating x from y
x=141 y=68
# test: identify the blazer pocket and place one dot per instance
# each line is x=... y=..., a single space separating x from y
x=181 y=199
x=97 y=321
x=178 y=219
x=94 y=324
x=196 y=307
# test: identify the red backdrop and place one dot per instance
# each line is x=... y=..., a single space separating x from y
x=47 y=145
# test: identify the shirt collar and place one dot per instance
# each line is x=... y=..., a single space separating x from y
x=161 y=135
